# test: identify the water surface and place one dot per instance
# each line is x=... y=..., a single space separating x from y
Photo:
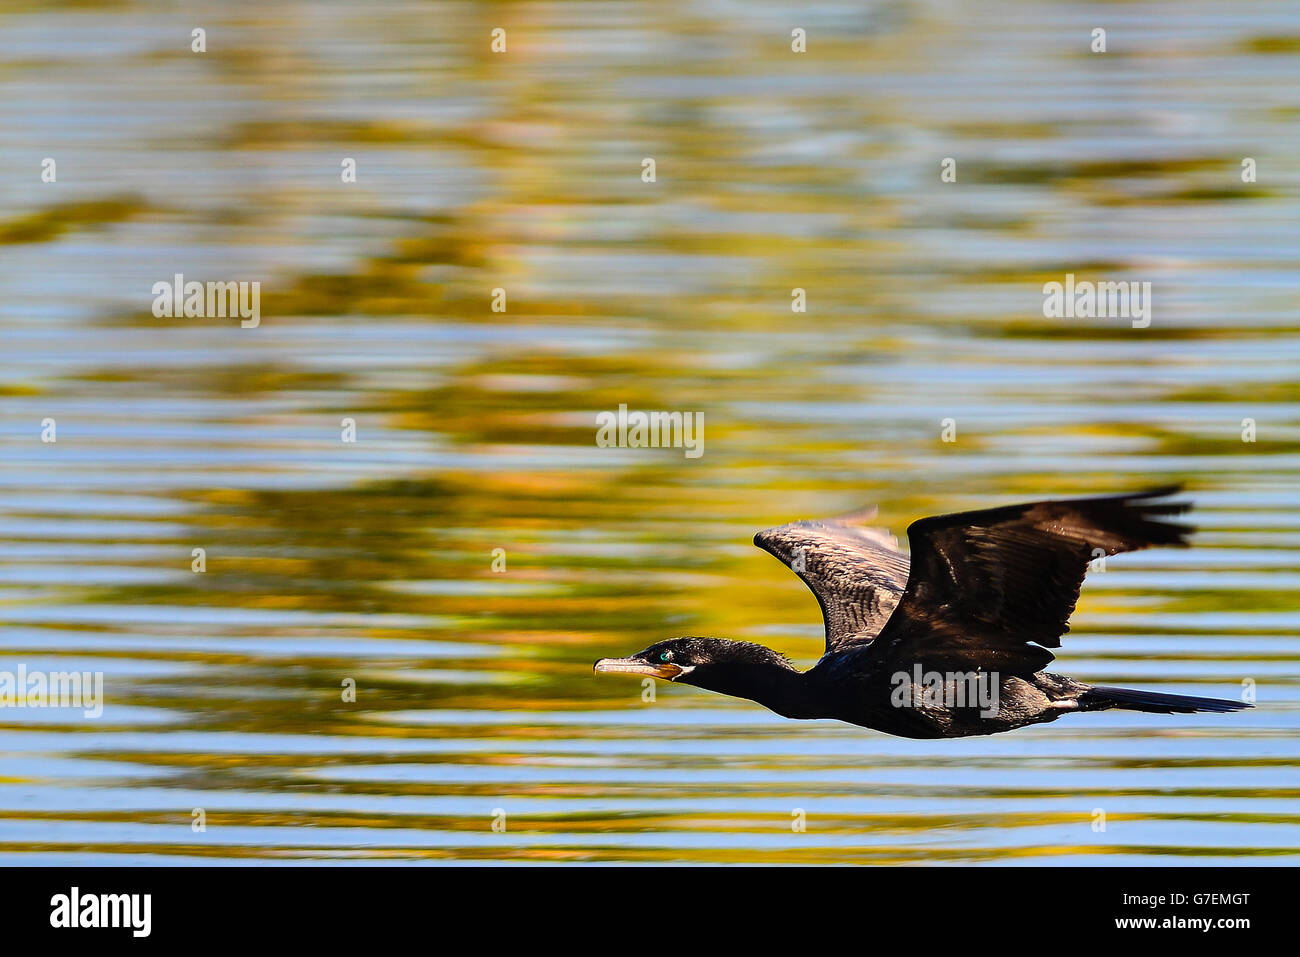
x=373 y=561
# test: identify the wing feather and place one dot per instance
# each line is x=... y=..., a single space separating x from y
x=994 y=589
x=856 y=572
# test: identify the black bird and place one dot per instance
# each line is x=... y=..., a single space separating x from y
x=950 y=643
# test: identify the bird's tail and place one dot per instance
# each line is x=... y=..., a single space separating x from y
x=1099 y=698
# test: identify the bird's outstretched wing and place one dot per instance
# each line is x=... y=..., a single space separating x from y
x=993 y=589
x=856 y=572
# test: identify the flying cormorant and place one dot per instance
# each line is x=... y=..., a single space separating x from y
x=949 y=643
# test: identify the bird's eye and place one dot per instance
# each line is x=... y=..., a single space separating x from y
x=664 y=656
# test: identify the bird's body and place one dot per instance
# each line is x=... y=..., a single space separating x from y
x=949 y=642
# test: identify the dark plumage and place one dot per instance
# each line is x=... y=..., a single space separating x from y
x=949 y=643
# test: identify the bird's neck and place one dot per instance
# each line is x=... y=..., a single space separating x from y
x=774 y=684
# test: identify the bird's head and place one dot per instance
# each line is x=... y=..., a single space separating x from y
x=711 y=663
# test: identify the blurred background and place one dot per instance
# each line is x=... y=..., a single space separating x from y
x=476 y=430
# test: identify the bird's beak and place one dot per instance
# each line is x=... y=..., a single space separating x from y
x=635 y=666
